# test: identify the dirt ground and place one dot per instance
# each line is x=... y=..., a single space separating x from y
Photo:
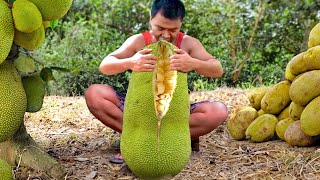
x=68 y=132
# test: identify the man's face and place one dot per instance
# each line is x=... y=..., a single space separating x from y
x=166 y=28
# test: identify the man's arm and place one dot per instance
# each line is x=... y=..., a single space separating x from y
x=193 y=56
x=128 y=56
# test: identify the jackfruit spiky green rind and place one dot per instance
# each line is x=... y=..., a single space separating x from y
x=314 y=36
x=5 y=171
x=30 y=41
x=262 y=128
x=26 y=16
x=34 y=87
x=13 y=100
x=295 y=136
x=276 y=98
x=6 y=30
x=142 y=152
x=52 y=9
x=310 y=118
x=305 y=88
x=240 y=121
x=282 y=126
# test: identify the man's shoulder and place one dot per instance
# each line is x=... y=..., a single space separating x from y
x=136 y=41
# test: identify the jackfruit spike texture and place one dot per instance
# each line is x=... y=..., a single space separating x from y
x=52 y=9
x=147 y=153
x=314 y=36
x=34 y=87
x=12 y=100
x=5 y=170
x=26 y=16
x=6 y=30
x=30 y=41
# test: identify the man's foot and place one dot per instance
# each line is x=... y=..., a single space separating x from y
x=195 y=144
x=117 y=159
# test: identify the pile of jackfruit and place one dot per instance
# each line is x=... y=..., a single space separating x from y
x=288 y=110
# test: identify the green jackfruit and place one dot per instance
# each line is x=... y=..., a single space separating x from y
x=260 y=112
x=296 y=137
x=30 y=41
x=255 y=96
x=240 y=121
x=282 y=126
x=262 y=128
x=25 y=64
x=309 y=61
x=52 y=9
x=284 y=114
x=310 y=118
x=295 y=110
x=276 y=98
x=295 y=66
x=34 y=87
x=5 y=171
x=26 y=16
x=6 y=30
x=150 y=151
x=305 y=88
x=13 y=100
x=314 y=36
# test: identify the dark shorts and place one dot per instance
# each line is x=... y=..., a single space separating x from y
x=122 y=98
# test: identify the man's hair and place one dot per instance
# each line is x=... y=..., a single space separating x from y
x=171 y=9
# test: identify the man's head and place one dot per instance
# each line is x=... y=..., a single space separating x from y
x=170 y=9
x=166 y=18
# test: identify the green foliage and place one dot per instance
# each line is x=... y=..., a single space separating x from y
x=92 y=29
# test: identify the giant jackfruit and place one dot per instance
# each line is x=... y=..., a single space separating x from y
x=12 y=100
x=155 y=139
x=30 y=41
x=52 y=9
x=6 y=30
x=26 y=16
x=5 y=171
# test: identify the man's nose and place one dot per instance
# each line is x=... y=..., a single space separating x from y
x=166 y=34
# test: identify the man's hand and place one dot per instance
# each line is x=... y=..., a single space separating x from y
x=142 y=61
x=181 y=61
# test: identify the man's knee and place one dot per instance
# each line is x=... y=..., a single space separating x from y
x=97 y=93
x=216 y=113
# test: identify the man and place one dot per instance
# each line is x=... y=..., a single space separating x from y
x=166 y=20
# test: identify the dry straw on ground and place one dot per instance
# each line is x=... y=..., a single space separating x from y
x=67 y=131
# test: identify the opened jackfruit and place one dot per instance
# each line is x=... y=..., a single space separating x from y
x=6 y=30
x=155 y=140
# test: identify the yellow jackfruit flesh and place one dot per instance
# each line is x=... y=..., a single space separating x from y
x=52 y=9
x=305 y=88
x=6 y=30
x=30 y=41
x=310 y=118
x=314 y=36
x=12 y=100
x=34 y=87
x=276 y=98
x=27 y=18
x=240 y=121
x=5 y=171
x=149 y=152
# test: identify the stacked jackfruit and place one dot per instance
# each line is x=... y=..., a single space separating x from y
x=290 y=109
x=22 y=24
